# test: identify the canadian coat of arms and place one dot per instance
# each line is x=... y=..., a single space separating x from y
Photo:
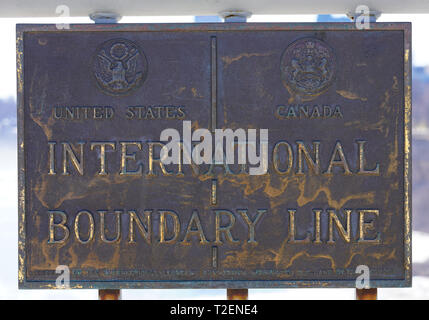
x=308 y=67
x=119 y=66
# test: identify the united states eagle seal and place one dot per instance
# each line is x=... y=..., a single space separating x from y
x=119 y=66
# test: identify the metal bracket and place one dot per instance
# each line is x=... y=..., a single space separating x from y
x=235 y=15
x=372 y=14
x=105 y=17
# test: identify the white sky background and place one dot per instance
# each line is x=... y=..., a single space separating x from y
x=8 y=183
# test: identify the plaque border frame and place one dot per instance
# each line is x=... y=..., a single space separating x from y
x=22 y=29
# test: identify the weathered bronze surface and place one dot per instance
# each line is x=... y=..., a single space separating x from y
x=93 y=100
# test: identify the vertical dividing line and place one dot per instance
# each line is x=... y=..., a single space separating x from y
x=213 y=83
x=213 y=65
x=213 y=198
x=214 y=257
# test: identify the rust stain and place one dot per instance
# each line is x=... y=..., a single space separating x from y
x=336 y=204
x=230 y=59
x=350 y=95
x=305 y=255
x=195 y=93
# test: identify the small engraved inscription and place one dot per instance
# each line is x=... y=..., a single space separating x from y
x=301 y=111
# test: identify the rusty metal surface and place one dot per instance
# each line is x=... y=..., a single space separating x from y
x=322 y=84
x=109 y=294
x=366 y=294
x=237 y=294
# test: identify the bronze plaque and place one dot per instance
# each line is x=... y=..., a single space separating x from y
x=95 y=197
